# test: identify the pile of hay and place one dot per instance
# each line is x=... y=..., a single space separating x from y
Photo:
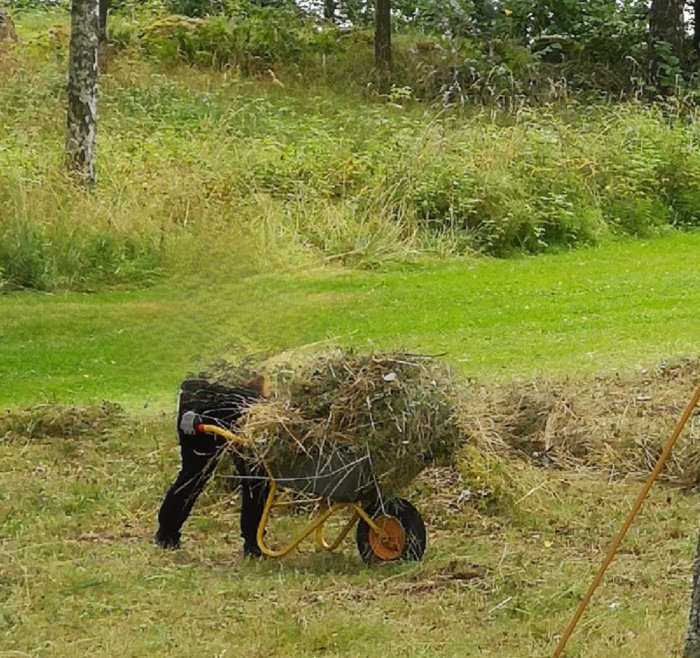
x=366 y=423
x=618 y=422
x=53 y=420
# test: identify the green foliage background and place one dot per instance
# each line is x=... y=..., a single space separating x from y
x=280 y=152
x=261 y=188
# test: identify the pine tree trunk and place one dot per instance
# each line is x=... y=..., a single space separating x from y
x=382 y=35
x=82 y=90
x=692 y=642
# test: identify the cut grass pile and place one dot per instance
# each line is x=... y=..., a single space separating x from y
x=48 y=420
x=617 y=424
x=378 y=419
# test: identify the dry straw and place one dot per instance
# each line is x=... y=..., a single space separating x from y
x=617 y=422
x=54 y=420
x=390 y=415
x=614 y=422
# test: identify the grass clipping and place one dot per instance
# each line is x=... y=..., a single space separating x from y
x=396 y=412
x=619 y=422
x=53 y=420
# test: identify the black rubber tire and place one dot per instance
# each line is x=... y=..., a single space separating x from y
x=411 y=521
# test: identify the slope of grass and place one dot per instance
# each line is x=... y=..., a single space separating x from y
x=624 y=305
x=190 y=157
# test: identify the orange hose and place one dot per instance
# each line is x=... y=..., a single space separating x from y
x=628 y=522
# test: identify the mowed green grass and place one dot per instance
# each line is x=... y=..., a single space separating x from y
x=79 y=573
x=624 y=305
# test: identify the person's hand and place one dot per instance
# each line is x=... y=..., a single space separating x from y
x=188 y=423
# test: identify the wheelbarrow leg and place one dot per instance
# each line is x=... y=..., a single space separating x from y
x=322 y=543
x=310 y=529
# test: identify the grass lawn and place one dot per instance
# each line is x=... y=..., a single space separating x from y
x=621 y=306
x=79 y=573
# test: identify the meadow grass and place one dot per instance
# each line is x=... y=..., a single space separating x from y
x=621 y=306
x=79 y=572
x=194 y=158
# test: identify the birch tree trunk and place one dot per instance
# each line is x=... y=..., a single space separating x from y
x=692 y=641
x=82 y=90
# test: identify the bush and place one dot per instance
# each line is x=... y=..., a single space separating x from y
x=252 y=40
x=274 y=169
x=51 y=257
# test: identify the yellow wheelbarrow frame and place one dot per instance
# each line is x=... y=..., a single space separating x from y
x=388 y=536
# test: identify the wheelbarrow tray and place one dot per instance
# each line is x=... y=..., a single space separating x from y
x=338 y=477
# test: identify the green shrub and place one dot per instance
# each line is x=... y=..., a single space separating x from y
x=639 y=216
x=51 y=257
x=680 y=182
x=124 y=32
x=282 y=169
x=253 y=39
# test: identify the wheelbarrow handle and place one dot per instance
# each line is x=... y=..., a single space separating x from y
x=204 y=428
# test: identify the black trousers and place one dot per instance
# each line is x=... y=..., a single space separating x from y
x=217 y=405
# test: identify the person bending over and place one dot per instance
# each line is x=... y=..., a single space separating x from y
x=201 y=401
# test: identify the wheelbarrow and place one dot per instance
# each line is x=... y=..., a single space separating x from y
x=386 y=530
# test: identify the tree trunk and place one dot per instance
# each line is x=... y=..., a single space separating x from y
x=692 y=641
x=82 y=90
x=382 y=35
x=666 y=35
x=696 y=26
x=104 y=9
x=7 y=26
x=329 y=7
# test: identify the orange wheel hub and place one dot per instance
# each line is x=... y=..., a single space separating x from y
x=390 y=543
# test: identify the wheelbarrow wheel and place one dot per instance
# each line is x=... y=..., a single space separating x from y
x=404 y=536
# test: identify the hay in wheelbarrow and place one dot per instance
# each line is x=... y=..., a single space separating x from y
x=355 y=426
